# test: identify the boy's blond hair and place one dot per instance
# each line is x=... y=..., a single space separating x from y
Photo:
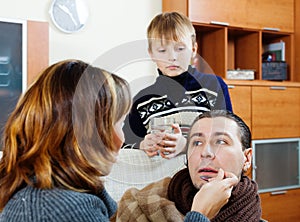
x=171 y=26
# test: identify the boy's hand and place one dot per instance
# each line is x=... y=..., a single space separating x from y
x=149 y=144
x=172 y=144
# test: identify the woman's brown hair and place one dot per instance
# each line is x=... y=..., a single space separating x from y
x=62 y=129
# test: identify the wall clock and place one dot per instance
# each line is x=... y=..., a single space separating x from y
x=69 y=16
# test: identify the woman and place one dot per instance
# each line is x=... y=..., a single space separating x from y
x=63 y=135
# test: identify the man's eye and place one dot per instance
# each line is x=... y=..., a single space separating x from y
x=221 y=142
x=197 y=143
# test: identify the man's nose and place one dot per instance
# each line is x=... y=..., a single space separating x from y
x=208 y=152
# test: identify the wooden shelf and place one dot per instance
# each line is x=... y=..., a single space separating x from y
x=225 y=48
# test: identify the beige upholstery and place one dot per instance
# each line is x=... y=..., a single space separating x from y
x=135 y=169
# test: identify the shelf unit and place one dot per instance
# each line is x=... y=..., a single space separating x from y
x=225 y=48
x=228 y=39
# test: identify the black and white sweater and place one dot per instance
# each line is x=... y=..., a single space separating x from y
x=184 y=97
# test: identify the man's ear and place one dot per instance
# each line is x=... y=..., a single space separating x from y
x=248 y=159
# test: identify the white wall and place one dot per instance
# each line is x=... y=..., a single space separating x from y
x=112 y=25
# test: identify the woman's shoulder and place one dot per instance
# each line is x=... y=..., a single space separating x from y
x=56 y=202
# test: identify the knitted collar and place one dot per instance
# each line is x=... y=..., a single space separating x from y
x=243 y=205
x=180 y=78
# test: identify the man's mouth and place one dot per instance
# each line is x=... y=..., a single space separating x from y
x=207 y=173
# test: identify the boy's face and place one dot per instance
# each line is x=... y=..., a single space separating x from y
x=172 y=58
x=215 y=143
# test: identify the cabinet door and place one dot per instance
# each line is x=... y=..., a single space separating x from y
x=275 y=112
x=268 y=14
x=223 y=11
x=241 y=102
x=281 y=206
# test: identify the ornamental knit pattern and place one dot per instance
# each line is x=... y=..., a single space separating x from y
x=58 y=205
x=243 y=205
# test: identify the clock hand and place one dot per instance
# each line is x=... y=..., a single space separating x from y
x=66 y=10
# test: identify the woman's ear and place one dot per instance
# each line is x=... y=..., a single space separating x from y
x=248 y=159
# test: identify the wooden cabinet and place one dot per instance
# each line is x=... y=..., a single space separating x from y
x=233 y=37
x=271 y=109
x=232 y=34
x=275 y=112
x=281 y=206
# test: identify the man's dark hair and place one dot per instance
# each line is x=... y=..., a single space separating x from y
x=245 y=133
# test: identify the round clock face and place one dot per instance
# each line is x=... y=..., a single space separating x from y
x=69 y=15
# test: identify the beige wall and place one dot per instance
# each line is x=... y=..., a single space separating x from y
x=111 y=24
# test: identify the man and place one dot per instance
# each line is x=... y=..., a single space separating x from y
x=213 y=187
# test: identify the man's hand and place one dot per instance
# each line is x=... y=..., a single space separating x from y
x=215 y=194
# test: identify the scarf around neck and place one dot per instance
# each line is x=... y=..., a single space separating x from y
x=243 y=205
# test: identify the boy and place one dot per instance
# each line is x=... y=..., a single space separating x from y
x=180 y=91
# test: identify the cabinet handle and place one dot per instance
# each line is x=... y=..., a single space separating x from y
x=278 y=87
x=219 y=23
x=271 y=29
x=278 y=192
x=5 y=84
x=230 y=87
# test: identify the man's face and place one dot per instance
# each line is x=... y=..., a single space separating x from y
x=214 y=144
x=172 y=58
